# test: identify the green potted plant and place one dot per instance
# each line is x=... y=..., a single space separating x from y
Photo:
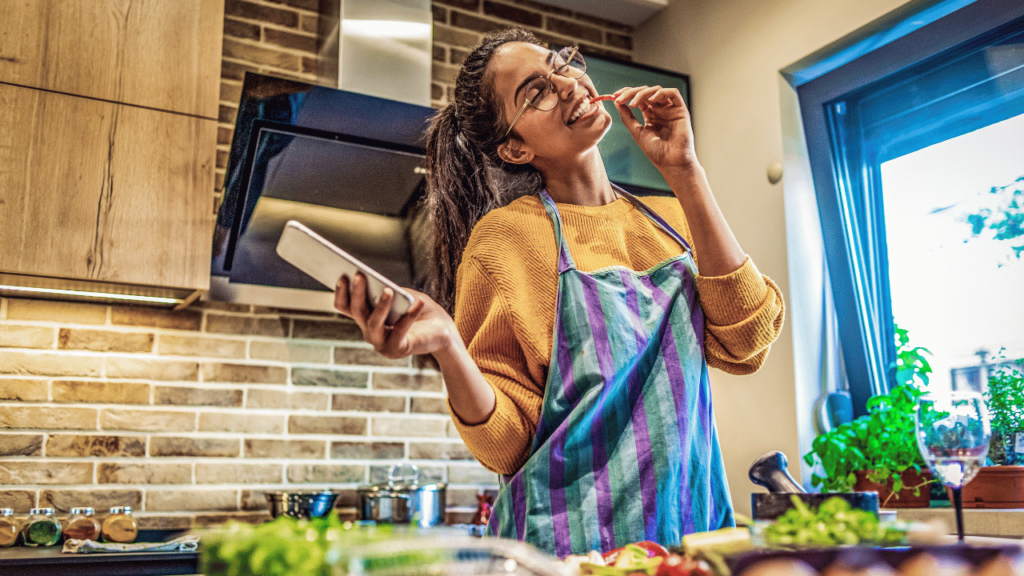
x=878 y=451
x=1001 y=485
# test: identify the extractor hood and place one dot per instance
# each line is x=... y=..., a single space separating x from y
x=343 y=157
x=377 y=47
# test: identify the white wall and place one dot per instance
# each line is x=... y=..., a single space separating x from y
x=743 y=111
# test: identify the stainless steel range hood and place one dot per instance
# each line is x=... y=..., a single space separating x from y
x=380 y=48
x=377 y=47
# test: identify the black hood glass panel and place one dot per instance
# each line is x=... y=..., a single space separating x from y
x=349 y=166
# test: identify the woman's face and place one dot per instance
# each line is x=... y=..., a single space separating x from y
x=553 y=136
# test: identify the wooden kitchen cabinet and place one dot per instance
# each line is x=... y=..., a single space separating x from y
x=162 y=54
x=108 y=126
x=101 y=191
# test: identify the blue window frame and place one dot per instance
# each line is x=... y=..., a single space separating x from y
x=927 y=86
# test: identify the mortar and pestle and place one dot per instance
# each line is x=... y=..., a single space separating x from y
x=771 y=472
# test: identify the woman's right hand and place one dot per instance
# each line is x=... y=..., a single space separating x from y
x=425 y=329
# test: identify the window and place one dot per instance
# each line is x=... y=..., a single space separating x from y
x=905 y=144
x=959 y=292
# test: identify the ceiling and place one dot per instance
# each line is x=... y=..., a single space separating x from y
x=629 y=12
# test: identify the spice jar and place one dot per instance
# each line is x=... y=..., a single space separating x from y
x=82 y=525
x=41 y=528
x=120 y=526
x=10 y=528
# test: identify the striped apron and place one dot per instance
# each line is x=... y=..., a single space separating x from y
x=626 y=447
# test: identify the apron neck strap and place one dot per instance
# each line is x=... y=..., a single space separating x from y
x=655 y=217
x=565 y=261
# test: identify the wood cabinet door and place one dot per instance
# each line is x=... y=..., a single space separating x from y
x=162 y=54
x=100 y=191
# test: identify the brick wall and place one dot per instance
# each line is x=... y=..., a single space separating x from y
x=460 y=24
x=189 y=416
x=279 y=38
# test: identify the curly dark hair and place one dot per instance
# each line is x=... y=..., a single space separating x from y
x=466 y=177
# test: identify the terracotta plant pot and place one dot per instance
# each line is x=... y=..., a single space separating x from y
x=902 y=499
x=995 y=487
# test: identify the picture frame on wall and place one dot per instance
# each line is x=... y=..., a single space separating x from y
x=625 y=162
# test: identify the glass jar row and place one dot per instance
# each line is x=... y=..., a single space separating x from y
x=42 y=528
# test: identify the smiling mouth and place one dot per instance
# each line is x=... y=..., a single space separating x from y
x=583 y=108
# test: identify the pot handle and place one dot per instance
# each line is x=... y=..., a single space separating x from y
x=403 y=474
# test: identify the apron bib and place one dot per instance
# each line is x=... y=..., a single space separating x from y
x=626 y=447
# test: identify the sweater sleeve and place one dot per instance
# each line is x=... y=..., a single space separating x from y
x=743 y=314
x=502 y=442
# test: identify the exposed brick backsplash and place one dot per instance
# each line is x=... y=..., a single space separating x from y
x=189 y=416
x=279 y=38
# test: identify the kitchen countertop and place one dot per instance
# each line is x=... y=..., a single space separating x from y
x=985 y=527
x=27 y=561
x=49 y=561
x=1003 y=523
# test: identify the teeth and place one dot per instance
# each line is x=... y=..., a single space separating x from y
x=580 y=111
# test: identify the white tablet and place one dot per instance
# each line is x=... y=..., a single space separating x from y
x=326 y=263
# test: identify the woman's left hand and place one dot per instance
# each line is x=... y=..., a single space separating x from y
x=665 y=135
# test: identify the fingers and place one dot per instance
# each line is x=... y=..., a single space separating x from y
x=628 y=120
x=659 y=108
x=635 y=97
x=370 y=320
x=341 y=296
x=376 y=324
x=394 y=345
x=643 y=96
x=350 y=298
x=667 y=97
x=357 y=298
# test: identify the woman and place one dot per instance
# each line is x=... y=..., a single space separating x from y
x=576 y=362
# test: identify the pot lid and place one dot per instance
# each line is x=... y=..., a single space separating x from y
x=402 y=479
x=385 y=490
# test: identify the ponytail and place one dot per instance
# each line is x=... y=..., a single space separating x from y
x=466 y=178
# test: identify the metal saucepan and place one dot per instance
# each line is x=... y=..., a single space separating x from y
x=301 y=504
x=403 y=500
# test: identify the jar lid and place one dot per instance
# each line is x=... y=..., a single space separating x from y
x=121 y=510
x=85 y=510
x=43 y=511
x=6 y=512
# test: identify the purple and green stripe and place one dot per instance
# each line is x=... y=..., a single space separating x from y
x=626 y=448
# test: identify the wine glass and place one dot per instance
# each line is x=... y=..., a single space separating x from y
x=953 y=432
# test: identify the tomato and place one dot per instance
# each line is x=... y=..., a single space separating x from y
x=653 y=550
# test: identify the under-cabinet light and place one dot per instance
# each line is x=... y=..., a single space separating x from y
x=86 y=294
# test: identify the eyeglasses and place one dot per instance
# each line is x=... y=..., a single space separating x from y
x=540 y=92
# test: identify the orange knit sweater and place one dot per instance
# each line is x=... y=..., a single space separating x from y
x=505 y=305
